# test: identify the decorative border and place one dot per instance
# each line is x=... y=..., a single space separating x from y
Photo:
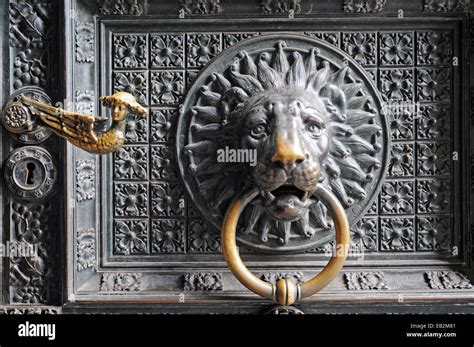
x=90 y=281
x=33 y=63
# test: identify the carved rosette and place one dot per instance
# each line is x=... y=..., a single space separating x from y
x=353 y=169
x=18 y=119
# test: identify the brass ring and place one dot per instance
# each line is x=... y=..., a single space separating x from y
x=285 y=291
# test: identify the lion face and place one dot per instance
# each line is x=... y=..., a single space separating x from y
x=290 y=132
x=306 y=120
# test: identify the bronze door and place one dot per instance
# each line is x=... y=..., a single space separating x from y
x=300 y=103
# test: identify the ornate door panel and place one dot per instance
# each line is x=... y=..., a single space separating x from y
x=142 y=224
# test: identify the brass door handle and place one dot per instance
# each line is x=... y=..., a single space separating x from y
x=76 y=128
x=285 y=291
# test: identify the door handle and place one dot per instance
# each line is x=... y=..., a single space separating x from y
x=76 y=128
x=286 y=291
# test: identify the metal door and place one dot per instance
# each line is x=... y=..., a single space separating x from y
x=138 y=230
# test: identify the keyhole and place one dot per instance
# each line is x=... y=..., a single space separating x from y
x=30 y=168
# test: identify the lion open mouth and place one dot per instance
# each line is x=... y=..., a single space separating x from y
x=287 y=202
x=289 y=190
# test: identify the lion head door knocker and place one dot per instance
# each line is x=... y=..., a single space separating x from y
x=25 y=114
x=312 y=119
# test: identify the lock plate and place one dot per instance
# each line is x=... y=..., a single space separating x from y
x=30 y=173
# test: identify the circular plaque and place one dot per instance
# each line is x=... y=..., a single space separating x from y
x=30 y=173
x=19 y=121
x=250 y=95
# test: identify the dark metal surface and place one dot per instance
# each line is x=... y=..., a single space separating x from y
x=415 y=239
x=260 y=81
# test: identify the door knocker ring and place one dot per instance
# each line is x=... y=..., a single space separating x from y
x=285 y=291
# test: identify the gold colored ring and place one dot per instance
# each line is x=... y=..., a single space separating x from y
x=285 y=291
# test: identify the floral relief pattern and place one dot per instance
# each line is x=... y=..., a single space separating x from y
x=202 y=237
x=373 y=209
x=167 y=51
x=401 y=160
x=329 y=37
x=433 y=122
x=433 y=159
x=364 y=235
x=396 y=48
x=163 y=88
x=86 y=249
x=167 y=87
x=167 y=200
x=397 y=84
x=434 y=84
x=434 y=48
x=363 y=6
x=445 y=6
x=231 y=39
x=360 y=46
x=447 y=280
x=136 y=129
x=85 y=42
x=167 y=236
x=372 y=73
x=30 y=277
x=433 y=196
x=190 y=77
x=401 y=123
x=162 y=122
x=434 y=233
x=123 y=7
x=365 y=280
x=130 y=237
x=121 y=282
x=397 y=197
x=200 y=7
x=85 y=100
x=85 y=179
x=134 y=83
x=202 y=48
x=202 y=281
x=130 y=51
x=130 y=162
x=163 y=167
x=193 y=211
x=397 y=234
x=131 y=199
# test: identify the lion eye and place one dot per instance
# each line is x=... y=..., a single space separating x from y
x=259 y=130
x=314 y=128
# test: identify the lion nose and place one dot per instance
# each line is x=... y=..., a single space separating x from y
x=287 y=155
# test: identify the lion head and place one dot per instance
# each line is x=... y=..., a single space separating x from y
x=309 y=123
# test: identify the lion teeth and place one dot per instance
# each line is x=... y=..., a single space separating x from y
x=305 y=196
x=267 y=195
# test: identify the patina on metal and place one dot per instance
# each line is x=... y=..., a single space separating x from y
x=77 y=128
x=311 y=115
